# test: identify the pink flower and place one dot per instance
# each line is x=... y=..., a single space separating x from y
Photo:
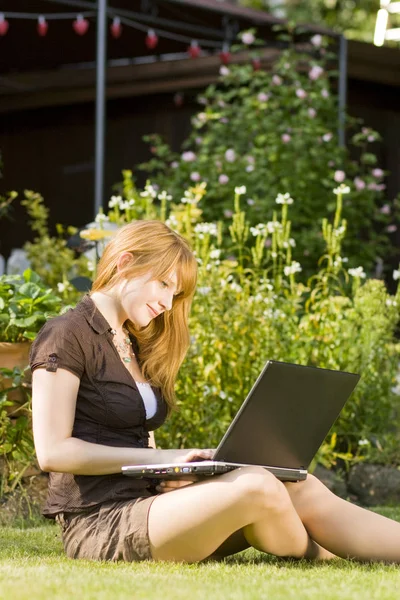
x=385 y=209
x=228 y=213
x=327 y=137
x=371 y=138
x=339 y=176
x=198 y=140
x=262 y=97
x=230 y=155
x=195 y=176
x=391 y=228
x=315 y=72
x=359 y=183
x=223 y=179
x=316 y=40
x=250 y=168
x=325 y=93
x=312 y=113
x=250 y=159
x=276 y=80
x=248 y=38
x=373 y=186
x=188 y=156
x=378 y=173
x=224 y=120
x=301 y=93
x=285 y=137
x=380 y=187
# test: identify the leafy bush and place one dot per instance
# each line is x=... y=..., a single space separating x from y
x=25 y=305
x=274 y=131
x=250 y=307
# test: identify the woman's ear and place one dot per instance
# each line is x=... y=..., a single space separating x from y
x=123 y=260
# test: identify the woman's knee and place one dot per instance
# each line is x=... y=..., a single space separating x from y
x=260 y=488
x=305 y=494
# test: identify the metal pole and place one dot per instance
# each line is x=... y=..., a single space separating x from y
x=342 y=89
x=100 y=104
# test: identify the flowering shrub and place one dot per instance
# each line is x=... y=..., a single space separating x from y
x=277 y=130
x=250 y=307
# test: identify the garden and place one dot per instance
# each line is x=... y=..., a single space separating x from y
x=293 y=239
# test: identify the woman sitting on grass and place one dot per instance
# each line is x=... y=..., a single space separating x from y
x=103 y=381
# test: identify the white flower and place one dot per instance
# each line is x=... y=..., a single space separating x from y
x=90 y=266
x=101 y=218
x=236 y=287
x=248 y=38
x=295 y=267
x=222 y=395
x=273 y=226
x=164 y=196
x=327 y=137
x=149 y=191
x=206 y=228
x=339 y=231
x=396 y=274
x=316 y=40
x=61 y=287
x=215 y=254
x=172 y=221
x=114 y=201
x=240 y=190
x=357 y=272
x=230 y=155
x=315 y=72
x=224 y=71
x=342 y=189
x=204 y=290
x=363 y=442
x=390 y=302
x=188 y=156
x=124 y=205
x=260 y=229
x=284 y=199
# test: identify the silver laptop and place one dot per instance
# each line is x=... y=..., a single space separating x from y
x=280 y=426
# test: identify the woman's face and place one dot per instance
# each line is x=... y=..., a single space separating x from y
x=143 y=298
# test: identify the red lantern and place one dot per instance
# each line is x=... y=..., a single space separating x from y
x=151 y=39
x=116 y=28
x=225 y=55
x=80 y=25
x=4 y=25
x=256 y=62
x=42 y=26
x=194 y=49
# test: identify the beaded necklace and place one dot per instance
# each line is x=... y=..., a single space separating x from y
x=124 y=348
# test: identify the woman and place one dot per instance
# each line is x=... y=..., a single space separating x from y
x=103 y=381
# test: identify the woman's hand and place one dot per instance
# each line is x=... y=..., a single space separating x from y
x=190 y=456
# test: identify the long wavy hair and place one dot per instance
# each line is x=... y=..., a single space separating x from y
x=158 y=250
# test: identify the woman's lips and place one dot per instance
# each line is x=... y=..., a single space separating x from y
x=153 y=312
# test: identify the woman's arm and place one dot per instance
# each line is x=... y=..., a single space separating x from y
x=53 y=412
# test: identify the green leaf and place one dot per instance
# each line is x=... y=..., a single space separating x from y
x=30 y=290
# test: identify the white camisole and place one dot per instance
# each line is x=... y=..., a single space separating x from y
x=149 y=398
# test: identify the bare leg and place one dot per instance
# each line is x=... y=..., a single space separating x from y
x=189 y=524
x=344 y=528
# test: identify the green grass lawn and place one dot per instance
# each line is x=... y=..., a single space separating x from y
x=33 y=567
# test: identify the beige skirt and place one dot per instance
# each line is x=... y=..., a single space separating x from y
x=114 y=531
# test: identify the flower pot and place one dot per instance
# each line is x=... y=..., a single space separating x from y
x=13 y=355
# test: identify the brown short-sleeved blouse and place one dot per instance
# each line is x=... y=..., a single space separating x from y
x=109 y=407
